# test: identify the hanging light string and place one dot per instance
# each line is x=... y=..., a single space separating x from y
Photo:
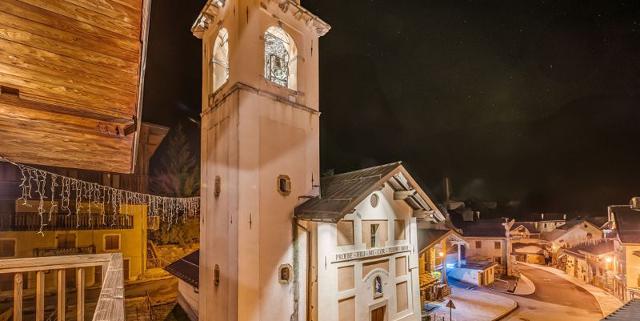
x=90 y=196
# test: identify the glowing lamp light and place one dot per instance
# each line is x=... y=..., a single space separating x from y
x=440 y=254
x=608 y=259
x=450 y=265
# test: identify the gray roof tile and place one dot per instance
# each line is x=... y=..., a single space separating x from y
x=187 y=268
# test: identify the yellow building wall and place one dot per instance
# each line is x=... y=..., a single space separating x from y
x=632 y=266
x=133 y=244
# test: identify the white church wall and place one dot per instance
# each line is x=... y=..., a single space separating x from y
x=397 y=270
x=252 y=132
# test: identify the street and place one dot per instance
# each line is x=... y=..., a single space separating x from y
x=554 y=299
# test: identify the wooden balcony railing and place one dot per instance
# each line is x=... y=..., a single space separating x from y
x=110 y=306
x=63 y=222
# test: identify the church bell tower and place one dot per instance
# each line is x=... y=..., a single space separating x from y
x=260 y=156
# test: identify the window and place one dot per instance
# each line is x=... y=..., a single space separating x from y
x=126 y=264
x=284 y=185
x=7 y=248
x=478 y=244
x=66 y=241
x=220 y=60
x=374 y=200
x=345 y=232
x=112 y=242
x=399 y=230
x=280 y=58
x=374 y=231
x=497 y=245
x=589 y=236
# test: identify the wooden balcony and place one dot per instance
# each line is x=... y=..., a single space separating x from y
x=63 y=222
x=110 y=304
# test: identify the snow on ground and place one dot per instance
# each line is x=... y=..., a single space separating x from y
x=608 y=303
x=474 y=305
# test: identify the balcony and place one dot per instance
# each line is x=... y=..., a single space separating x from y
x=63 y=222
x=40 y=252
x=110 y=304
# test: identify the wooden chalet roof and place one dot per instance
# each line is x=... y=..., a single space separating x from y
x=594 y=247
x=429 y=237
x=627 y=222
x=492 y=228
x=71 y=74
x=341 y=193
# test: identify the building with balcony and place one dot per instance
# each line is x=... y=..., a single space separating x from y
x=438 y=247
x=70 y=100
x=626 y=229
x=125 y=233
x=591 y=262
x=79 y=232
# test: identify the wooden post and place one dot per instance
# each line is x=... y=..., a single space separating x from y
x=40 y=296
x=62 y=308
x=80 y=293
x=444 y=262
x=17 y=297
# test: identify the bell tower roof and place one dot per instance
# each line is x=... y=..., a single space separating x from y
x=210 y=14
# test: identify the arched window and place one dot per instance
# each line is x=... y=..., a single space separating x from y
x=220 y=60
x=280 y=58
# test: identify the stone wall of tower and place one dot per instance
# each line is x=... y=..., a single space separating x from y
x=253 y=131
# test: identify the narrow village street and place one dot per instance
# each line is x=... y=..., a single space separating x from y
x=554 y=299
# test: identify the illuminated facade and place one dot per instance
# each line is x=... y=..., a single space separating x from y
x=277 y=241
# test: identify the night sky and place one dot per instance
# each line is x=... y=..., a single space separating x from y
x=536 y=101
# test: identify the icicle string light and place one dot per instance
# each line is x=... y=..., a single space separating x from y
x=88 y=197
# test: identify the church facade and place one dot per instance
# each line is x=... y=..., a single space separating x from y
x=364 y=247
x=277 y=242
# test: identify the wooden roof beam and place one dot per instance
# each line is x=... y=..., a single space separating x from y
x=11 y=96
x=402 y=195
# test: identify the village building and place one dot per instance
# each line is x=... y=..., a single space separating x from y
x=440 y=249
x=573 y=232
x=524 y=231
x=84 y=231
x=626 y=225
x=591 y=262
x=542 y=222
x=488 y=243
x=530 y=252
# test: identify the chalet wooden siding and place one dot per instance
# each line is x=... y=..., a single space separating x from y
x=71 y=74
